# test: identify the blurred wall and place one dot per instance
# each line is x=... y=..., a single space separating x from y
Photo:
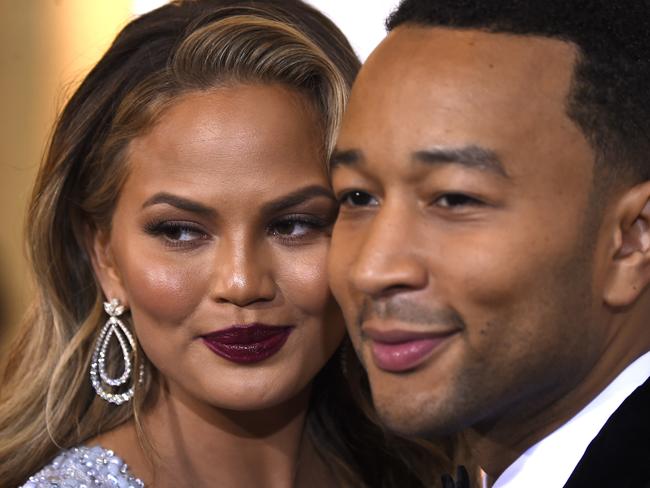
x=46 y=47
x=362 y=21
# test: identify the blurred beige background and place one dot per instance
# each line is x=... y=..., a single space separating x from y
x=46 y=47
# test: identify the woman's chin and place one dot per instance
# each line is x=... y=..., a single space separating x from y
x=237 y=395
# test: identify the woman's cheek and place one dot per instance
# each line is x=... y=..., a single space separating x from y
x=302 y=277
x=305 y=285
x=164 y=290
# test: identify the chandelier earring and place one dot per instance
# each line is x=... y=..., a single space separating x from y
x=114 y=390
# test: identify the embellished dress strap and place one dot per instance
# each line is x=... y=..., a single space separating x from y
x=91 y=467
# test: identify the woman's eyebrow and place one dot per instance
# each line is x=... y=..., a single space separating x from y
x=282 y=203
x=181 y=203
x=297 y=197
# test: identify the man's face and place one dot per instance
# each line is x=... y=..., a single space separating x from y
x=463 y=256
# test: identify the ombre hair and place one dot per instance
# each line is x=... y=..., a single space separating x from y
x=46 y=400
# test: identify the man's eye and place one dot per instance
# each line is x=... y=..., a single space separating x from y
x=358 y=198
x=455 y=200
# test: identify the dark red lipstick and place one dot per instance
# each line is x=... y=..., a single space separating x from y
x=248 y=343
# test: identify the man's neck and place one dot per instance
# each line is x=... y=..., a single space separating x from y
x=498 y=443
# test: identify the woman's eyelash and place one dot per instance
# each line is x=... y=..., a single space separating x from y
x=181 y=234
x=298 y=226
x=176 y=233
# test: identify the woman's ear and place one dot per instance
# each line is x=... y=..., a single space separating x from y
x=630 y=266
x=104 y=265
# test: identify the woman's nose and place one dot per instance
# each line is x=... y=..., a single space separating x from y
x=243 y=273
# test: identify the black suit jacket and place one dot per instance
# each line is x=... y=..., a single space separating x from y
x=619 y=456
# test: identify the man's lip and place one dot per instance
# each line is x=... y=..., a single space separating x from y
x=395 y=336
x=399 y=351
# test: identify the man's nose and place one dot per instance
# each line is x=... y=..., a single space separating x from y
x=243 y=273
x=387 y=259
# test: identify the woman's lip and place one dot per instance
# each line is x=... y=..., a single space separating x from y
x=398 y=351
x=248 y=343
x=246 y=333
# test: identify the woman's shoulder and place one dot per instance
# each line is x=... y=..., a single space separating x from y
x=84 y=466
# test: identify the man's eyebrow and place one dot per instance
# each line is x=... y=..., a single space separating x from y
x=180 y=203
x=474 y=157
x=297 y=197
x=347 y=157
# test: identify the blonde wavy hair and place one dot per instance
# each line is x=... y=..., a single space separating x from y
x=46 y=399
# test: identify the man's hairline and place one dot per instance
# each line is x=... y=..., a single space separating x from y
x=603 y=175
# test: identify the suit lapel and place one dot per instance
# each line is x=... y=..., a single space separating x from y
x=619 y=456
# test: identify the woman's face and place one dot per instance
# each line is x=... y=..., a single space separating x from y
x=219 y=243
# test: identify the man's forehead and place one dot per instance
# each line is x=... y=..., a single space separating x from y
x=433 y=73
x=445 y=88
x=416 y=52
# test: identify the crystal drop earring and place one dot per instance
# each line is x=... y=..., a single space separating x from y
x=101 y=381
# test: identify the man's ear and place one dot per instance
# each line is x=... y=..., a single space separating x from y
x=104 y=265
x=630 y=267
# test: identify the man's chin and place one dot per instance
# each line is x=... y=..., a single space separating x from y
x=415 y=419
x=422 y=429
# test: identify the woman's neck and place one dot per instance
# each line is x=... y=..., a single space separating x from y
x=199 y=446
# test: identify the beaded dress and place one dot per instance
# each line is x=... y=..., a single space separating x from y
x=84 y=467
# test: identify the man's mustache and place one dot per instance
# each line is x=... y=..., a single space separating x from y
x=409 y=312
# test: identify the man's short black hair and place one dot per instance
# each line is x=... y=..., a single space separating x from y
x=610 y=96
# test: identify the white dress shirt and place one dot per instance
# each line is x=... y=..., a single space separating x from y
x=550 y=462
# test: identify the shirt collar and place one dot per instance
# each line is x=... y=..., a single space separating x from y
x=550 y=462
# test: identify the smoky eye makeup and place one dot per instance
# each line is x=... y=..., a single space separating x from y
x=299 y=227
x=298 y=218
x=304 y=223
x=169 y=224
x=178 y=234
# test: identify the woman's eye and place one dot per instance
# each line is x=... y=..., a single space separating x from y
x=358 y=198
x=177 y=233
x=295 y=228
x=455 y=200
x=184 y=234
